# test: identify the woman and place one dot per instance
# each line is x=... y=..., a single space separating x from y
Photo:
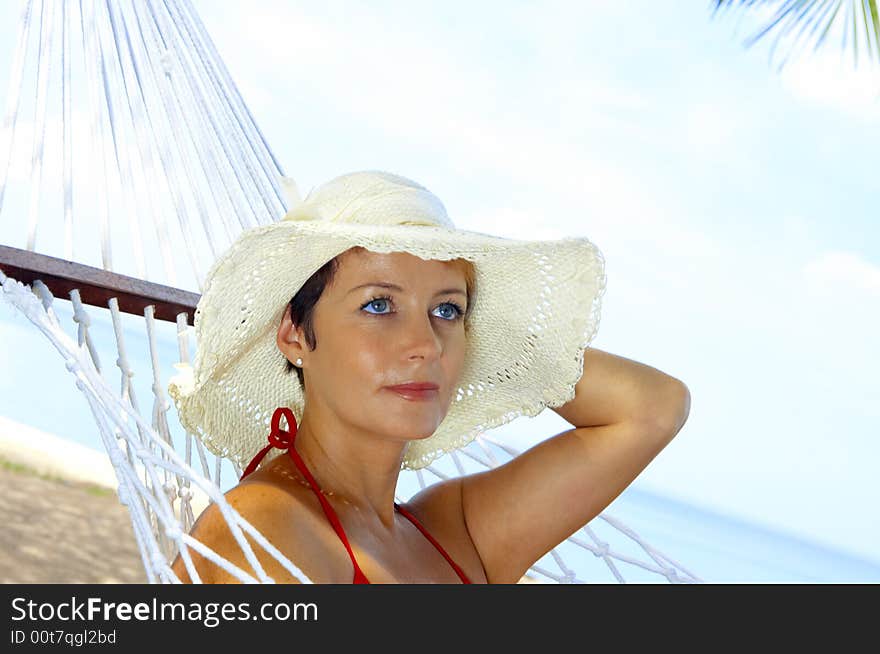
x=408 y=338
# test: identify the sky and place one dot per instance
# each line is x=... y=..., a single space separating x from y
x=733 y=204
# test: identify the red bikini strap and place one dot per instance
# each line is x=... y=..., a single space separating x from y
x=277 y=437
x=328 y=511
x=413 y=520
x=285 y=441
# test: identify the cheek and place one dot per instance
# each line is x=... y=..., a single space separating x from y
x=454 y=359
x=361 y=355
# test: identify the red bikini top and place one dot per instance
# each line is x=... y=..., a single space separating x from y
x=285 y=440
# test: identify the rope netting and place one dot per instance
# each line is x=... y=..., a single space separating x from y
x=139 y=150
x=136 y=132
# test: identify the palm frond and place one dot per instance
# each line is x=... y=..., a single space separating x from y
x=812 y=21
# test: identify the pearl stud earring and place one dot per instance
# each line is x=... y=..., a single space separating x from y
x=299 y=362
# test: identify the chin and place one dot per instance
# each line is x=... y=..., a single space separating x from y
x=412 y=428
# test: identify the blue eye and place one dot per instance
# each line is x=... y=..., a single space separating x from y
x=381 y=301
x=456 y=310
x=376 y=300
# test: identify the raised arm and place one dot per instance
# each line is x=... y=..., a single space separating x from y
x=624 y=413
x=615 y=389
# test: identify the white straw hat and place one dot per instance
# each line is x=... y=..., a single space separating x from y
x=535 y=309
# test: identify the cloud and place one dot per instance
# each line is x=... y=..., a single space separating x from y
x=840 y=271
x=828 y=78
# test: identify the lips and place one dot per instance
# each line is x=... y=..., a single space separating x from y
x=416 y=386
x=416 y=391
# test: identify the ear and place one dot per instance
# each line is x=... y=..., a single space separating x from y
x=290 y=339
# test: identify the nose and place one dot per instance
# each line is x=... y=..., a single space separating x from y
x=419 y=339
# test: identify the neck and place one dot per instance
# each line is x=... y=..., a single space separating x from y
x=359 y=467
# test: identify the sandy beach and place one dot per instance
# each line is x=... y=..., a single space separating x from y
x=62 y=531
x=61 y=518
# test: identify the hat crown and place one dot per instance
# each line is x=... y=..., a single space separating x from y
x=370 y=197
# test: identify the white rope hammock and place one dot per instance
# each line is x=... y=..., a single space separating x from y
x=151 y=146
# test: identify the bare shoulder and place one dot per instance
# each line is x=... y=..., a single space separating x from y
x=272 y=511
x=439 y=508
x=440 y=502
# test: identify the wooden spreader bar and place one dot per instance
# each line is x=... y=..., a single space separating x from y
x=96 y=286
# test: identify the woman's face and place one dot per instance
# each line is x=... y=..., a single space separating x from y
x=370 y=337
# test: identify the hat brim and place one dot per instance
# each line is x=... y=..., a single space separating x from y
x=536 y=308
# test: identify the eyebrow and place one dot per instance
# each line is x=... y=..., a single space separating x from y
x=398 y=288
